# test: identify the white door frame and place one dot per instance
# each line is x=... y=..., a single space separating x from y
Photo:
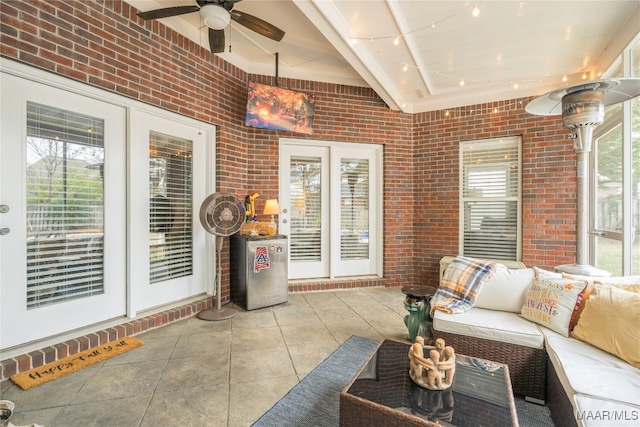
x=14 y=68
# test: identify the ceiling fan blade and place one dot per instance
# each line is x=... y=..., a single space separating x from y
x=216 y=40
x=167 y=12
x=258 y=25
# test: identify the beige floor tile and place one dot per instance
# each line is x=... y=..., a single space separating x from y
x=192 y=407
x=126 y=411
x=302 y=333
x=260 y=364
x=342 y=313
x=308 y=356
x=196 y=371
x=323 y=299
x=120 y=381
x=204 y=343
x=264 y=318
x=262 y=393
x=195 y=325
x=296 y=316
x=256 y=339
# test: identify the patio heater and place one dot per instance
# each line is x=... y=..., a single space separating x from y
x=582 y=109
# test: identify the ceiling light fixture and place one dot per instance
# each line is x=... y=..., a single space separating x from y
x=406 y=67
x=215 y=17
x=462 y=82
x=475 y=12
x=396 y=41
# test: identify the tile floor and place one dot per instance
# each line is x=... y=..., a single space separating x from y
x=212 y=373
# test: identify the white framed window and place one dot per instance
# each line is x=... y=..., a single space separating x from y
x=490 y=205
x=614 y=181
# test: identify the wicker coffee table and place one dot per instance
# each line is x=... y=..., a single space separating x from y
x=382 y=394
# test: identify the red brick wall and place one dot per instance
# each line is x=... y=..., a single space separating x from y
x=548 y=181
x=104 y=44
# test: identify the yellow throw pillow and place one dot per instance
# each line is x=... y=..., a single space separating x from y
x=552 y=302
x=610 y=322
x=627 y=283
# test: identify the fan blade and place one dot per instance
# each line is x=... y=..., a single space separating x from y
x=216 y=40
x=258 y=25
x=167 y=12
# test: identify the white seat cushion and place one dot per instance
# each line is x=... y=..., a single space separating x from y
x=586 y=370
x=492 y=325
x=592 y=412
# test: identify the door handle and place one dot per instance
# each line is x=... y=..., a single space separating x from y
x=4 y=230
x=4 y=208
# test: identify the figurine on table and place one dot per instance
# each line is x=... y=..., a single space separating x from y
x=436 y=372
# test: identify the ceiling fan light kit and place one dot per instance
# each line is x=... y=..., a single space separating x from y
x=215 y=17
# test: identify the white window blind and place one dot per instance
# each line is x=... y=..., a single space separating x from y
x=490 y=189
x=354 y=209
x=170 y=207
x=306 y=209
x=65 y=159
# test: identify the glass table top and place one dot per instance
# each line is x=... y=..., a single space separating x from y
x=480 y=395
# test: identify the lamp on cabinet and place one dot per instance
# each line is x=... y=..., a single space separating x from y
x=272 y=207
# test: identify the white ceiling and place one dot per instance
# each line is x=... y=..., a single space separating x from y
x=528 y=44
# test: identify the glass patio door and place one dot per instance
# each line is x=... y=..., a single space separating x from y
x=331 y=198
x=63 y=197
x=169 y=166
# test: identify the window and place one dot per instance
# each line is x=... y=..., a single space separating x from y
x=170 y=219
x=615 y=180
x=490 y=198
x=65 y=158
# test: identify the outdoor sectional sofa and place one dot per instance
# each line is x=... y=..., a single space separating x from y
x=582 y=384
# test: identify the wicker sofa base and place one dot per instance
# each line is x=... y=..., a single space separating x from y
x=527 y=366
x=558 y=402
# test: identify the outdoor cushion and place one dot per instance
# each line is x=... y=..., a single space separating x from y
x=492 y=325
x=587 y=370
x=506 y=290
x=553 y=302
x=610 y=321
x=594 y=412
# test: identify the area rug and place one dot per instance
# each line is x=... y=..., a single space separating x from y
x=315 y=401
x=73 y=363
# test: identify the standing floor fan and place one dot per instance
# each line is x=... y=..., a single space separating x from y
x=221 y=215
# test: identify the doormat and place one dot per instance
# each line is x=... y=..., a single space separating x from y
x=62 y=367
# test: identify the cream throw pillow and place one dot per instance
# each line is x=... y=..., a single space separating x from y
x=610 y=322
x=506 y=290
x=551 y=302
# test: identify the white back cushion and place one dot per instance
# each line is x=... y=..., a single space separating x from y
x=506 y=290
